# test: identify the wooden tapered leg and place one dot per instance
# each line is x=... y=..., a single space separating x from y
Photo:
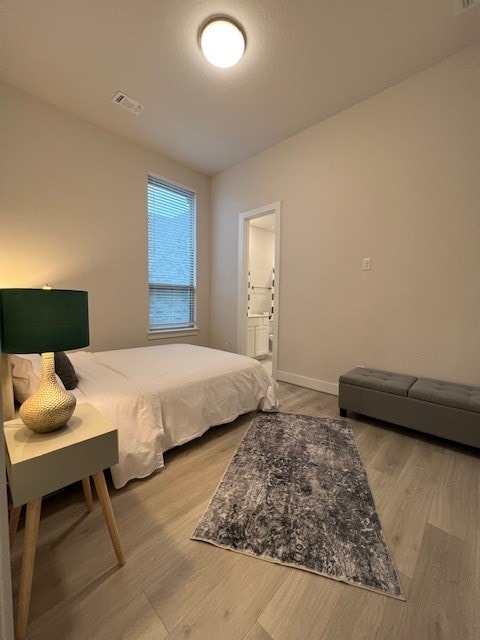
x=32 y=522
x=103 y=496
x=13 y=524
x=87 y=492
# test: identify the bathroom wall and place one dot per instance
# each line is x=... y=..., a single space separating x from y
x=261 y=262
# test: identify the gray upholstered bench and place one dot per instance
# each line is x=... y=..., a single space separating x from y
x=442 y=409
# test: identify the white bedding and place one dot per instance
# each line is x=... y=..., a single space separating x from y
x=163 y=396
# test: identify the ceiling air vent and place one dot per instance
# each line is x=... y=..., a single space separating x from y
x=464 y=5
x=129 y=103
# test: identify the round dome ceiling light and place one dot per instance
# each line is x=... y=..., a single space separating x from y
x=222 y=42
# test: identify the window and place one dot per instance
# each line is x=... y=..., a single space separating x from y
x=171 y=255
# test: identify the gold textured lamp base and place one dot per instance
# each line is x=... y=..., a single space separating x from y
x=50 y=407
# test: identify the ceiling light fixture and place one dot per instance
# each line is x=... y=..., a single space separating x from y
x=222 y=42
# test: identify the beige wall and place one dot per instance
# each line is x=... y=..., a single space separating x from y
x=73 y=214
x=395 y=178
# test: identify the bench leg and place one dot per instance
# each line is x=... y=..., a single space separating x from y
x=343 y=413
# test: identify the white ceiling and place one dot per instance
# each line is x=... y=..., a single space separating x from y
x=305 y=60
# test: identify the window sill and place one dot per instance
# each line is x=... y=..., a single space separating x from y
x=173 y=333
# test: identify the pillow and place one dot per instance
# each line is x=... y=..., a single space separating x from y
x=27 y=375
x=65 y=370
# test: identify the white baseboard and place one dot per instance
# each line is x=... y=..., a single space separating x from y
x=309 y=383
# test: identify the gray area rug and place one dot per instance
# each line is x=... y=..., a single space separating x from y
x=296 y=493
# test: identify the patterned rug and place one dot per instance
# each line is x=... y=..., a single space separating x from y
x=296 y=493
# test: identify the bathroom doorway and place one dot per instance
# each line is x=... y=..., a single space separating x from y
x=259 y=244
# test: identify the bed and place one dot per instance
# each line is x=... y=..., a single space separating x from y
x=159 y=397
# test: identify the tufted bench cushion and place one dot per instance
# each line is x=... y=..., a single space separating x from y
x=449 y=394
x=379 y=380
x=443 y=409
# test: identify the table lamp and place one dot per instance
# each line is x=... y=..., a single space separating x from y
x=44 y=321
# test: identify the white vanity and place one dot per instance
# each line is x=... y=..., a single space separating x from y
x=257 y=335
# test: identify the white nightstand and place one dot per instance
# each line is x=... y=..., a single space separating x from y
x=38 y=464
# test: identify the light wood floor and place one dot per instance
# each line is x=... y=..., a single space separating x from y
x=427 y=495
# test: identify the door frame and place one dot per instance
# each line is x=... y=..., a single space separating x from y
x=243 y=242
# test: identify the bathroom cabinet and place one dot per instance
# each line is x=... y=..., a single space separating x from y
x=257 y=335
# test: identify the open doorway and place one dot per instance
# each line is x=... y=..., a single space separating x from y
x=258 y=300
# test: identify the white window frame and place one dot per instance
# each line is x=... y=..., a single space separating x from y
x=193 y=329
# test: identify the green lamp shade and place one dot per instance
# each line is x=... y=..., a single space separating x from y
x=43 y=320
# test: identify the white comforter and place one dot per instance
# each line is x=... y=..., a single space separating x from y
x=162 y=396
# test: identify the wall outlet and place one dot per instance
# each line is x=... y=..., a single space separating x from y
x=362 y=366
x=367 y=264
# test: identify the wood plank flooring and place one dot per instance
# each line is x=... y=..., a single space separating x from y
x=427 y=494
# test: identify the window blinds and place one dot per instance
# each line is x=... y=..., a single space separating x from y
x=171 y=255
